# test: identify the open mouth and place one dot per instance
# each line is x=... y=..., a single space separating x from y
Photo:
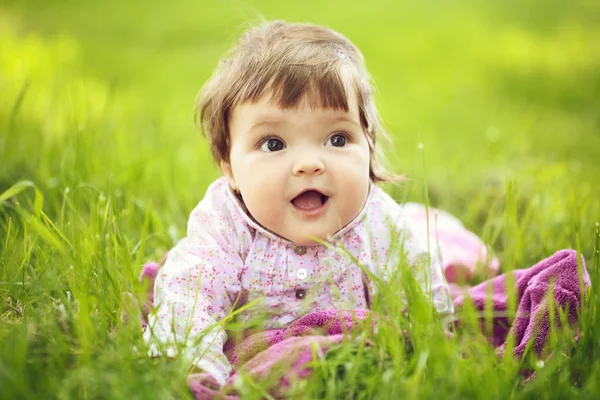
x=310 y=200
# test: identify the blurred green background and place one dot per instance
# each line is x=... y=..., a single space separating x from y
x=505 y=97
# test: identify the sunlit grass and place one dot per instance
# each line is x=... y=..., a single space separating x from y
x=100 y=166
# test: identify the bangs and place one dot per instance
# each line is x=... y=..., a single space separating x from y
x=322 y=86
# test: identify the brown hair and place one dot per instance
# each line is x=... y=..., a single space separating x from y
x=291 y=60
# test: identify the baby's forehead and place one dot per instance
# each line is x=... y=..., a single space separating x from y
x=270 y=109
x=310 y=96
x=252 y=121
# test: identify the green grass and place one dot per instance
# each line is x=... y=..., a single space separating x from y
x=96 y=124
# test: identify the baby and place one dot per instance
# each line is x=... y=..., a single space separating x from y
x=291 y=121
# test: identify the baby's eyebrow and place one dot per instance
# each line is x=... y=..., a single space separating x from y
x=266 y=123
x=331 y=119
x=341 y=118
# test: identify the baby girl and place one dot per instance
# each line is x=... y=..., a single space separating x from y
x=297 y=215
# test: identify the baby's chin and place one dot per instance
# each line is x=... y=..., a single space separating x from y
x=307 y=238
x=302 y=232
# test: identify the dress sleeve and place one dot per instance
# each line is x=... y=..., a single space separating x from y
x=197 y=287
x=425 y=262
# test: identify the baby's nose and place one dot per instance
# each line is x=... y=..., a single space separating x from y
x=309 y=164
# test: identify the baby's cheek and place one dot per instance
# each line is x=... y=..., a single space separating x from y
x=354 y=197
x=264 y=212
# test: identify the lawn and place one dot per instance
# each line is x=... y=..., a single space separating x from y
x=494 y=113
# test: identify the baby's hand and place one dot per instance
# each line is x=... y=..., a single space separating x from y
x=202 y=382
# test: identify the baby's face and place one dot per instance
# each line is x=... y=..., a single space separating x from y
x=301 y=172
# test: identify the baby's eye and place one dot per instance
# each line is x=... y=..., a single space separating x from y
x=271 y=145
x=337 y=140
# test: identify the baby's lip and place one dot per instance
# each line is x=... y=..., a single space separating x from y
x=321 y=192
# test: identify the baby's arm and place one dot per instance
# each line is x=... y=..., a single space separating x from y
x=195 y=289
x=427 y=268
x=433 y=282
x=424 y=263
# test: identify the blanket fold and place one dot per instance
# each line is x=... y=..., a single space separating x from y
x=560 y=273
x=281 y=355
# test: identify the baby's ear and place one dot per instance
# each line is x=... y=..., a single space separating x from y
x=228 y=172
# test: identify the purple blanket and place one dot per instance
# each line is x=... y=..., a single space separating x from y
x=282 y=355
x=531 y=325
